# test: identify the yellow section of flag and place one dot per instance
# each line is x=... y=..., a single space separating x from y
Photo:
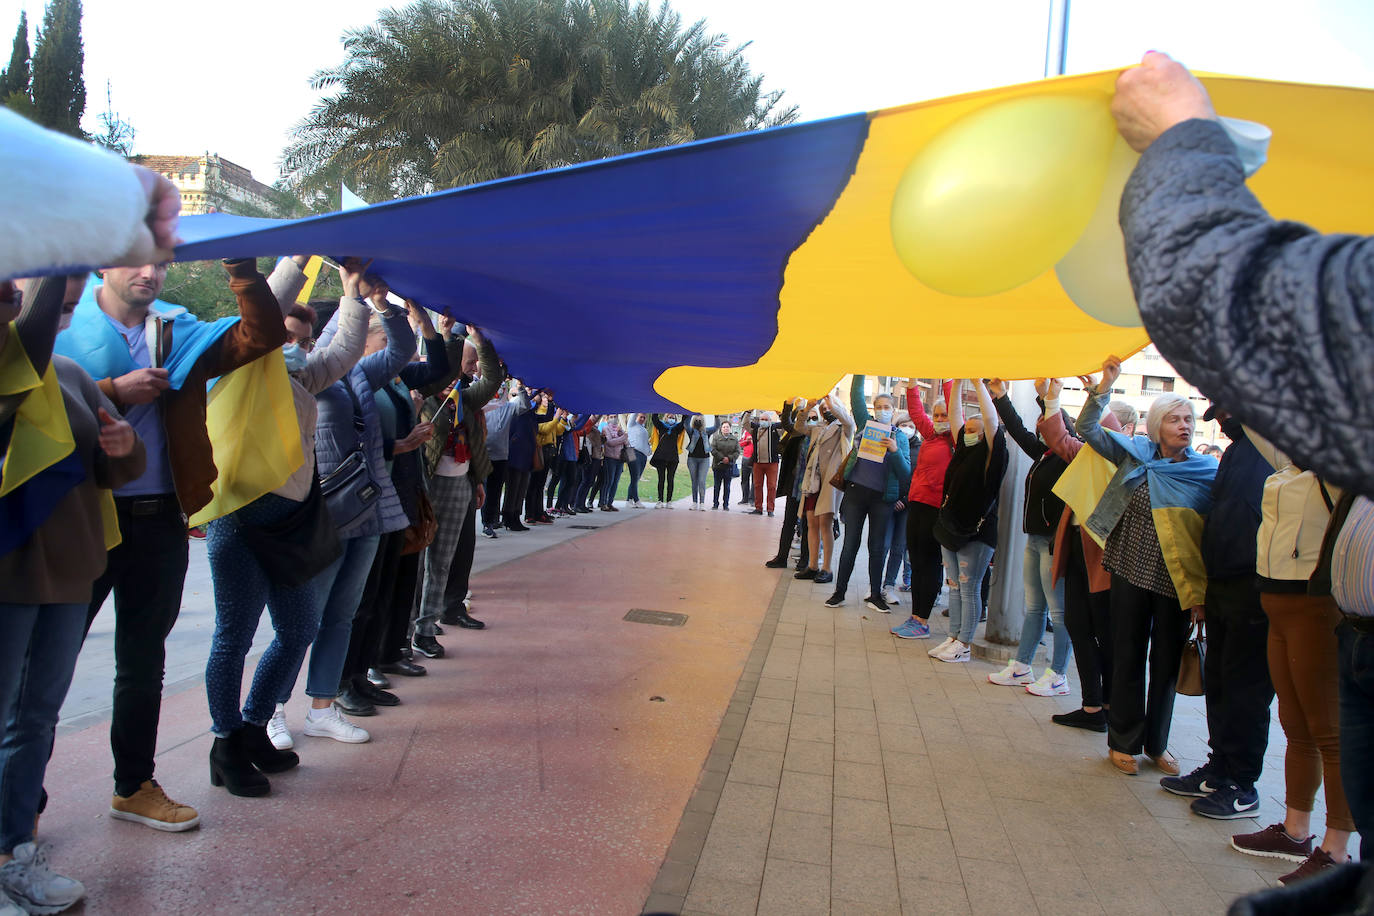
x=251 y=418
x=42 y=433
x=312 y=273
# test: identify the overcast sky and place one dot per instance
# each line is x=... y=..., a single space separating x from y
x=190 y=81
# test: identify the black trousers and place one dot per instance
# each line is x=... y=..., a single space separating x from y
x=863 y=504
x=555 y=474
x=534 y=494
x=517 y=483
x=1143 y=623
x=1088 y=618
x=395 y=634
x=1236 y=678
x=372 y=619
x=146 y=572
x=789 y=528
x=927 y=563
x=491 y=509
x=668 y=474
x=746 y=480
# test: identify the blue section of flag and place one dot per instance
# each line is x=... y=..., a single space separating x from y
x=596 y=278
x=26 y=508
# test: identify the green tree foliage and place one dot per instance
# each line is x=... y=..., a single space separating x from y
x=116 y=134
x=444 y=93
x=15 y=77
x=59 y=90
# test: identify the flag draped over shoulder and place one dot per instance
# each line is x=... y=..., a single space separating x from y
x=251 y=418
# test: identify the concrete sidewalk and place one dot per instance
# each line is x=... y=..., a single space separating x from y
x=854 y=774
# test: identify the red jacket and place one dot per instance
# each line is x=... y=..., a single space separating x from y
x=746 y=443
x=928 y=477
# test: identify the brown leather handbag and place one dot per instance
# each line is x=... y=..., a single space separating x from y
x=421 y=534
x=1190 y=676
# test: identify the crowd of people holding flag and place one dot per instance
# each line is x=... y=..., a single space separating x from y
x=382 y=441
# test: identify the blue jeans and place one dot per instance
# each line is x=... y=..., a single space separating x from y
x=587 y=481
x=242 y=588
x=610 y=480
x=896 y=548
x=1043 y=595
x=38 y=648
x=862 y=504
x=697 y=468
x=342 y=587
x=1356 y=662
x=964 y=570
x=637 y=462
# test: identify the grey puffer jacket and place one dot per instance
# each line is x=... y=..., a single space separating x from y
x=1272 y=320
x=335 y=435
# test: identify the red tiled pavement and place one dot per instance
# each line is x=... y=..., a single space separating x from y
x=529 y=773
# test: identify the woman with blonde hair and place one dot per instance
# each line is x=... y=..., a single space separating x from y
x=830 y=435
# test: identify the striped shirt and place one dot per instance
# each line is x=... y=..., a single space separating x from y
x=1352 y=564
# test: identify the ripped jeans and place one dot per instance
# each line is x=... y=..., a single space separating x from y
x=964 y=571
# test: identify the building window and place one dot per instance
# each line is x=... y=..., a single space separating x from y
x=1156 y=384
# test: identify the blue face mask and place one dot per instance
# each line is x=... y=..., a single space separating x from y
x=295 y=357
x=883 y=415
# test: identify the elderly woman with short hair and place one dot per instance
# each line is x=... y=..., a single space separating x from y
x=1150 y=516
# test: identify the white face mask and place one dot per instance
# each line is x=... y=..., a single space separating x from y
x=65 y=321
x=942 y=426
x=972 y=439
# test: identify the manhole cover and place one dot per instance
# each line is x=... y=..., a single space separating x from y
x=657 y=618
x=585 y=527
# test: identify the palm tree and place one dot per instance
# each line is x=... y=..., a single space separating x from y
x=445 y=93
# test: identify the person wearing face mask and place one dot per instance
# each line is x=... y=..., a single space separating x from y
x=746 y=465
x=967 y=524
x=520 y=453
x=52 y=547
x=829 y=433
x=1236 y=680
x=698 y=449
x=616 y=441
x=243 y=752
x=895 y=539
x=923 y=507
x=766 y=433
x=1154 y=590
x=871 y=489
x=665 y=458
x=510 y=400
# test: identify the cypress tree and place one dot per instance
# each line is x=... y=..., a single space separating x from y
x=15 y=77
x=59 y=91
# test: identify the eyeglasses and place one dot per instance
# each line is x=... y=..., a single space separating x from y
x=305 y=343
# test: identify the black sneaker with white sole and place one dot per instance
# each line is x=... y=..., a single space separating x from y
x=876 y=603
x=1228 y=802
x=1197 y=784
x=835 y=600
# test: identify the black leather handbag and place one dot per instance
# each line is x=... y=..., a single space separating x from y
x=349 y=489
x=300 y=546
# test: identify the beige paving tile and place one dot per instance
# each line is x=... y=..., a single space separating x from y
x=924 y=855
x=776 y=688
x=811 y=703
x=859 y=780
x=768 y=736
x=809 y=756
x=907 y=769
x=813 y=728
x=863 y=874
x=858 y=747
x=755 y=766
x=936 y=900
x=809 y=792
x=716 y=897
x=978 y=835
x=905 y=739
x=851 y=719
x=915 y=806
x=800 y=837
x=771 y=709
x=994 y=886
x=859 y=820
x=854 y=697
x=743 y=804
x=733 y=853
x=794 y=889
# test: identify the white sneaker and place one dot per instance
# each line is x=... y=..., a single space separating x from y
x=954 y=652
x=949 y=641
x=328 y=723
x=1015 y=673
x=277 y=732
x=667 y=505
x=890 y=595
x=29 y=883
x=1050 y=684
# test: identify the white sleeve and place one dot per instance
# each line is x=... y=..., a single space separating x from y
x=66 y=203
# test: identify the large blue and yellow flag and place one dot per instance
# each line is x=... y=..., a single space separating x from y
x=972 y=235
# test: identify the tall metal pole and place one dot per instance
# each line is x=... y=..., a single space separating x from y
x=1057 y=39
x=1006 y=596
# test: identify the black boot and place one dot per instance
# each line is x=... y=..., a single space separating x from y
x=261 y=752
x=231 y=768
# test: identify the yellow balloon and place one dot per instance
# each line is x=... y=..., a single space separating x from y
x=1093 y=273
x=996 y=198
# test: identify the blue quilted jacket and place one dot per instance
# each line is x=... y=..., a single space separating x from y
x=1270 y=319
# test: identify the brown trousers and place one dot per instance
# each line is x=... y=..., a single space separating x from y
x=1302 y=664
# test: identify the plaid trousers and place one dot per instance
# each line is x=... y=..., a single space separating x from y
x=451 y=497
